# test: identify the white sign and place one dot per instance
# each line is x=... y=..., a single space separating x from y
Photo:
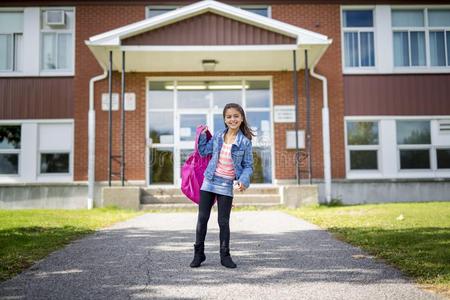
x=284 y=114
x=130 y=101
x=105 y=101
x=290 y=139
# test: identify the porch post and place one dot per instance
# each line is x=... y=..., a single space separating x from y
x=110 y=119
x=122 y=161
x=297 y=152
x=308 y=117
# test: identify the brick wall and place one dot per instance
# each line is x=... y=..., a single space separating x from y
x=92 y=20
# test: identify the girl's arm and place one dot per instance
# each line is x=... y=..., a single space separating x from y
x=205 y=147
x=247 y=165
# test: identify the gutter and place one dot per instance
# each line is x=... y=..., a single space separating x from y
x=325 y=134
x=91 y=139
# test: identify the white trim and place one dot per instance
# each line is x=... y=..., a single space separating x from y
x=207 y=48
x=22 y=121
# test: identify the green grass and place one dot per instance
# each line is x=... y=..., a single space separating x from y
x=415 y=237
x=29 y=235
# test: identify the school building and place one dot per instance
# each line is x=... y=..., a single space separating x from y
x=96 y=93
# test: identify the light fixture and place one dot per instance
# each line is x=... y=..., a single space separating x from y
x=209 y=64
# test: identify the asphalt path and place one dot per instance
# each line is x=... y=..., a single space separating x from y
x=278 y=257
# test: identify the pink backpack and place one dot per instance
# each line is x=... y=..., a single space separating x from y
x=194 y=168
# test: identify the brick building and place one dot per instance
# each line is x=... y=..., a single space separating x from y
x=373 y=94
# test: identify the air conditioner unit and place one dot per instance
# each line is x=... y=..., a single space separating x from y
x=55 y=17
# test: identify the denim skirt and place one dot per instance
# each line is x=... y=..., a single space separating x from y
x=218 y=185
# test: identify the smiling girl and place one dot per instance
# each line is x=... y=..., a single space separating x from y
x=230 y=167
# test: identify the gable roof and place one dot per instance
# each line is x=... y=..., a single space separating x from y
x=302 y=36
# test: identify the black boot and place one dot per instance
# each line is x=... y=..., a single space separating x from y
x=225 y=258
x=199 y=255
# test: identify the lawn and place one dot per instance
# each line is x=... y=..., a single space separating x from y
x=29 y=235
x=415 y=237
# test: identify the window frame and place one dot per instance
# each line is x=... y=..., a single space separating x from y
x=39 y=161
x=55 y=72
x=426 y=29
x=358 y=30
x=14 y=151
x=174 y=7
x=15 y=56
x=349 y=148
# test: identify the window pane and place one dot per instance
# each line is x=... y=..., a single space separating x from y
x=417 y=48
x=9 y=163
x=161 y=166
x=49 y=51
x=10 y=137
x=18 y=52
x=219 y=125
x=55 y=163
x=188 y=126
x=260 y=123
x=358 y=18
x=413 y=132
x=193 y=94
x=439 y=17
x=437 y=48
x=401 y=49
x=64 y=51
x=363 y=160
x=262 y=11
x=351 y=45
x=367 y=49
x=257 y=94
x=262 y=166
x=224 y=92
x=160 y=95
x=443 y=158
x=153 y=12
x=5 y=52
x=11 y=21
x=414 y=159
x=161 y=127
x=407 y=18
x=362 y=133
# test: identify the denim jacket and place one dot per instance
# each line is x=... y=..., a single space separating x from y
x=241 y=153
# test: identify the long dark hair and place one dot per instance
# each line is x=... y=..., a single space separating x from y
x=246 y=130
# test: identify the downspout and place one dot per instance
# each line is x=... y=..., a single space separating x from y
x=325 y=135
x=91 y=139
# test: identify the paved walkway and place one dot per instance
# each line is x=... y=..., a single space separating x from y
x=278 y=257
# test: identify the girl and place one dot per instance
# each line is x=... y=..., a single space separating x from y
x=232 y=158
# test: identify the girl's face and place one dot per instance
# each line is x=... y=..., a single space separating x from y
x=233 y=118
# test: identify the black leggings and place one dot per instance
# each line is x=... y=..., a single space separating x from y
x=204 y=210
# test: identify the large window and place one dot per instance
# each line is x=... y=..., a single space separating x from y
x=11 y=37
x=358 y=28
x=362 y=145
x=10 y=138
x=57 y=39
x=418 y=31
x=414 y=144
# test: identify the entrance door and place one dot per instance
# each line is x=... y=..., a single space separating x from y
x=176 y=108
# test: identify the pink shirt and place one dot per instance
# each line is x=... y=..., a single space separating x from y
x=225 y=166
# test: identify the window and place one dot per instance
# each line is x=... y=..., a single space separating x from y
x=11 y=39
x=153 y=11
x=57 y=40
x=54 y=163
x=10 y=138
x=358 y=28
x=362 y=145
x=410 y=29
x=414 y=144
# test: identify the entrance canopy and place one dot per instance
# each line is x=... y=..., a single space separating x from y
x=211 y=33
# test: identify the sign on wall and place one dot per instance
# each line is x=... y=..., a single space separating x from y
x=284 y=114
x=105 y=101
x=130 y=101
x=290 y=139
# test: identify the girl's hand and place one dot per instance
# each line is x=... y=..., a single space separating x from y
x=204 y=130
x=241 y=187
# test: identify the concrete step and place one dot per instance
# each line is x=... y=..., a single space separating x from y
x=177 y=191
x=192 y=206
x=238 y=199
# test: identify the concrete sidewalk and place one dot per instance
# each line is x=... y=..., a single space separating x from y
x=278 y=257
